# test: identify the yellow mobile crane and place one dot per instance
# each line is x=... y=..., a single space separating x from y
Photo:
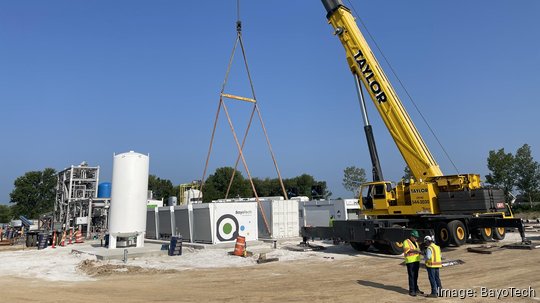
x=453 y=206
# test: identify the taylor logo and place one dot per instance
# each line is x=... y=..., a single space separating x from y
x=368 y=74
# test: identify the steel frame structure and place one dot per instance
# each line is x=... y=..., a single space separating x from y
x=76 y=197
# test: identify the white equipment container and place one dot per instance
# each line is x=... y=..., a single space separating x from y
x=282 y=217
x=223 y=222
x=351 y=209
x=154 y=203
x=127 y=216
x=318 y=213
x=193 y=196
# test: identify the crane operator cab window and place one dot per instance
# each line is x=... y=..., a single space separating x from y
x=375 y=196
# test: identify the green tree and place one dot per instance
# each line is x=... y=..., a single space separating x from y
x=34 y=193
x=407 y=174
x=528 y=173
x=503 y=173
x=306 y=185
x=319 y=190
x=161 y=188
x=216 y=185
x=352 y=178
x=5 y=214
x=268 y=187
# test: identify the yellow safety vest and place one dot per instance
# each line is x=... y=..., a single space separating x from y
x=410 y=256
x=435 y=260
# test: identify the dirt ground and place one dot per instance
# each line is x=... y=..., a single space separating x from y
x=368 y=277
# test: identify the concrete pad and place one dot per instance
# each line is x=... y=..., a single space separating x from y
x=281 y=240
x=103 y=253
x=210 y=246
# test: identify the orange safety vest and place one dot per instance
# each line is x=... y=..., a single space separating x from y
x=410 y=256
x=435 y=260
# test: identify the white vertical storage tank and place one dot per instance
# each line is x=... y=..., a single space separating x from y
x=127 y=217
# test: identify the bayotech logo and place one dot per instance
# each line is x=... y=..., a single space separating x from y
x=243 y=212
x=227 y=228
x=374 y=86
x=419 y=191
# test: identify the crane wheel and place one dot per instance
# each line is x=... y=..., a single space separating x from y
x=483 y=234
x=392 y=248
x=442 y=234
x=395 y=248
x=499 y=233
x=458 y=232
x=360 y=246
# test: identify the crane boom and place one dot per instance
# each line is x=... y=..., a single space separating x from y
x=365 y=66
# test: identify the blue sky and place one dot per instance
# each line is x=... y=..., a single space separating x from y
x=81 y=80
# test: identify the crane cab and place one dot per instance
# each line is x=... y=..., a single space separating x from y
x=406 y=198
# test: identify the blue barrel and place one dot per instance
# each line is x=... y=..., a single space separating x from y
x=104 y=190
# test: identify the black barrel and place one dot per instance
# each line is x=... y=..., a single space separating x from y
x=43 y=240
x=175 y=247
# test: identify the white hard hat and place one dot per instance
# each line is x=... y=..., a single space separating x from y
x=428 y=238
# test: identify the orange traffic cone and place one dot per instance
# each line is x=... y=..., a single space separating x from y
x=240 y=247
x=78 y=237
x=54 y=240
x=63 y=241
x=70 y=239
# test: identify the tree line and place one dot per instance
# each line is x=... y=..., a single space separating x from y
x=517 y=171
x=34 y=193
x=216 y=186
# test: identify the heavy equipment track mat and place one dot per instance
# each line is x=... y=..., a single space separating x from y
x=520 y=245
x=484 y=249
x=305 y=247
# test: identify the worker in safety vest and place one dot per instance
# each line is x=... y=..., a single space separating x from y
x=433 y=263
x=411 y=252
